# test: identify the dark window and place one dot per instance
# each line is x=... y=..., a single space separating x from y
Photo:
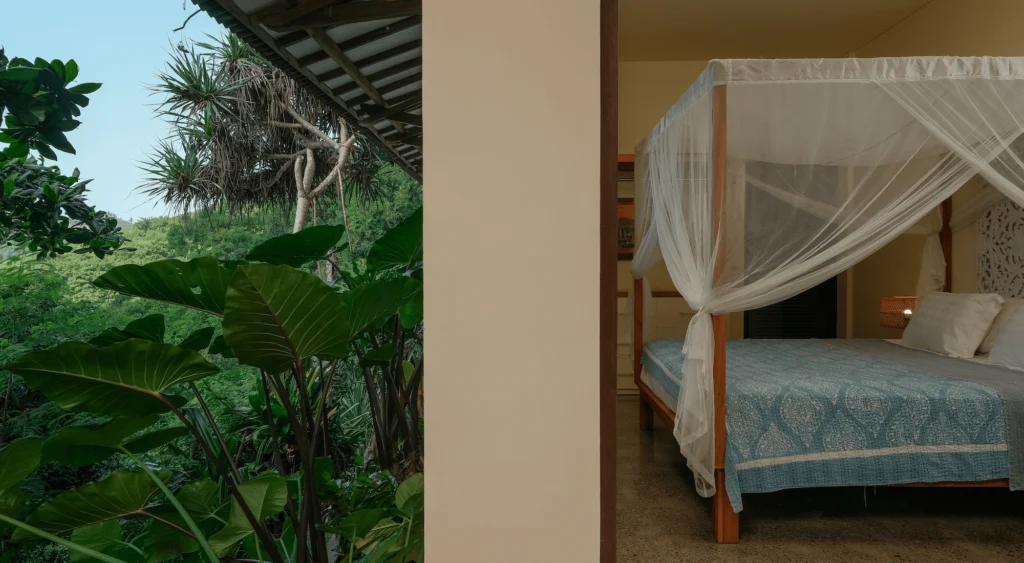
x=811 y=314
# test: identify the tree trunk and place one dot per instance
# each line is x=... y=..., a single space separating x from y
x=301 y=209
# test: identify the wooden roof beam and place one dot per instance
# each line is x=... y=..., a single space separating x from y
x=346 y=64
x=287 y=10
x=377 y=113
x=350 y=68
x=273 y=49
x=412 y=134
x=360 y=40
x=387 y=88
x=372 y=59
x=293 y=38
x=330 y=13
x=380 y=75
x=407 y=118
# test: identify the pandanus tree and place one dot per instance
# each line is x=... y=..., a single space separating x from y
x=247 y=135
x=298 y=333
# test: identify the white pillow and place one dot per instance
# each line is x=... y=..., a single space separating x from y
x=1009 y=348
x=1009 y=306
x=953 y=324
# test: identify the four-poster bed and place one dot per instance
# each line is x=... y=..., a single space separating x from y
x=852 y=153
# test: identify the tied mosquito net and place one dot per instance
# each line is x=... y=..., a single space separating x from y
x=826 y=162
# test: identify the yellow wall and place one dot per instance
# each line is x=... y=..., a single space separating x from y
x=513 y=133
x=942 y=27
x=647 y=89
x=955 y=27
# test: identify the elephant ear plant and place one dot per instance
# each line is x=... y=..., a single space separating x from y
x=300 y=334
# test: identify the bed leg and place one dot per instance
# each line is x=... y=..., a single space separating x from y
x=646 y=416
x=727 y=522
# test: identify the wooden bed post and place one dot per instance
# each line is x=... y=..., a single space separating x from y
x=726 y=521
x=946 y=239
x=646 y=412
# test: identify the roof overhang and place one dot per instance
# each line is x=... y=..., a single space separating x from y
x=363 y=56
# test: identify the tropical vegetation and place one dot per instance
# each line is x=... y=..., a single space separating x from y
x=246 y=385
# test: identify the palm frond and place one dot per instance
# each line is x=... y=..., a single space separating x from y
x=177 y=173
x=194 y=84
x=224 y=97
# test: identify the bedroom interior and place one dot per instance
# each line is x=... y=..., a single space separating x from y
x=921 y=125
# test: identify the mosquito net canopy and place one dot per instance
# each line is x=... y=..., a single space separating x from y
x=825 y=161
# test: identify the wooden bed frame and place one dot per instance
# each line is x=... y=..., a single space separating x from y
x=726 y=522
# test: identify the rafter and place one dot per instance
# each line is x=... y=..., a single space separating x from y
x=377 y=114
x=346 y=64
x=387 y=88
x=288 y=10
x=411 y=134
x=293 y=38
x=329 y=13
x=416 y=141
x=300 y=70
x=372 y=59
x=407 y=118
x=360 y=40
x=380 y=75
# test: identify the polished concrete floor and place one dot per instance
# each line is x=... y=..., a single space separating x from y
x=661 y=518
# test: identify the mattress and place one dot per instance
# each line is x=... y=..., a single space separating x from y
x=813 y=413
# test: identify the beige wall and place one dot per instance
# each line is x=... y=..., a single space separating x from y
x=513 y=136
x=943 y=27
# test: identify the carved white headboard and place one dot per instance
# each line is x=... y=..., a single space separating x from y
x=1001 y=250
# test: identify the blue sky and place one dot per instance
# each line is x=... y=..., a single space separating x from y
x=123 y=44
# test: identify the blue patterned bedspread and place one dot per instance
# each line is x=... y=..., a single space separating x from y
x=805 y=413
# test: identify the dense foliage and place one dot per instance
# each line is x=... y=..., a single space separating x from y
x=247 y=384
x=41 y=208
x=44 y=303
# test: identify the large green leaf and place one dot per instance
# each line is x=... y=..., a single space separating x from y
x=357 y=524
x=150 y=327
x=220 y=347
x=105 y=538
x=200 y=498
x=366 y=305
x=275 y=315
x=266 y=496
x=11 y=501
x=122 y=494
x=198 y=340
x=125 y=379
x=155 y=439
x=411 y=313
x=200 y=283
x=409 y=488
x=88 y=444
x=296 y=249
x=18 y=460
x=379 y=356
x=323 y=473
x=401 y=247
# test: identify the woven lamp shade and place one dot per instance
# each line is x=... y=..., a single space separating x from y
x=894 y=311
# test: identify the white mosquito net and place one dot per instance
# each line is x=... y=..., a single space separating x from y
x=827 y=161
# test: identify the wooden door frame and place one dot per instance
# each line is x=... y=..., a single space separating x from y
x=609 y=270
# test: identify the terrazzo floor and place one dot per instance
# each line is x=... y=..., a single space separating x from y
x=661 y=519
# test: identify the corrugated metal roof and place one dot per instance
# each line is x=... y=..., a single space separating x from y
x=364 y=56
